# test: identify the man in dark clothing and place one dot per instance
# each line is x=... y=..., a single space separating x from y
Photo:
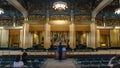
x=25 y=58
x=60 y=51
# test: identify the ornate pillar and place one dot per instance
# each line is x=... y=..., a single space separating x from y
x=98 y=38
x=93 y=34
x=21 y=38
x=26 y=35
x=47 y=32
x=88 y=39
x=72 y=32
x=4 y=38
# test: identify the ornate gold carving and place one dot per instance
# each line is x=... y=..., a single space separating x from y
x=81 y=18
x=10 y=23
x=108 y=23
x=39 y=18
x=36 y=17
x=60 y=17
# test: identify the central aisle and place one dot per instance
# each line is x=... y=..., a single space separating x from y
x=52 y=63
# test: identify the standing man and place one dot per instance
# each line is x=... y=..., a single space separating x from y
x=59 y=48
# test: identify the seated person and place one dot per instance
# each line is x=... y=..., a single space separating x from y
x=18 y=63
x=114 y=65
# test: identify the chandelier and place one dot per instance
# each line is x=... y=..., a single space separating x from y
x=1 y=11
x=60 y=5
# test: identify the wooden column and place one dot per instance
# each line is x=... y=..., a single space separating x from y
x=47 y=32
x=26 y=35
x=4 y=38
x=21 y=38
x=72 y=36
x=72 y=32
x=88 y=39
x=98 y=38
x=93 y=34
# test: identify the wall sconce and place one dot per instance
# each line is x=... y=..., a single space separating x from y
x=117 y=11
x=1 y=11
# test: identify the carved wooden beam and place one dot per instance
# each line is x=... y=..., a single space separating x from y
x=18 y=6
x=100 y=7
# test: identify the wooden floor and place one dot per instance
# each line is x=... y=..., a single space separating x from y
x=52 y=63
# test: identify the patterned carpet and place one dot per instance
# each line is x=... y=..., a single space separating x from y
x=52 y=63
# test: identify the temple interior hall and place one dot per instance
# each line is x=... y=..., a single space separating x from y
x=89 y=30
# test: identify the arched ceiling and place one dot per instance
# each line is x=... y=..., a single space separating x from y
x=109 y=10
x=80 y=7
x=39 y=7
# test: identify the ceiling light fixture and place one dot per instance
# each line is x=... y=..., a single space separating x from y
x=1 y=11
x=60 y=5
